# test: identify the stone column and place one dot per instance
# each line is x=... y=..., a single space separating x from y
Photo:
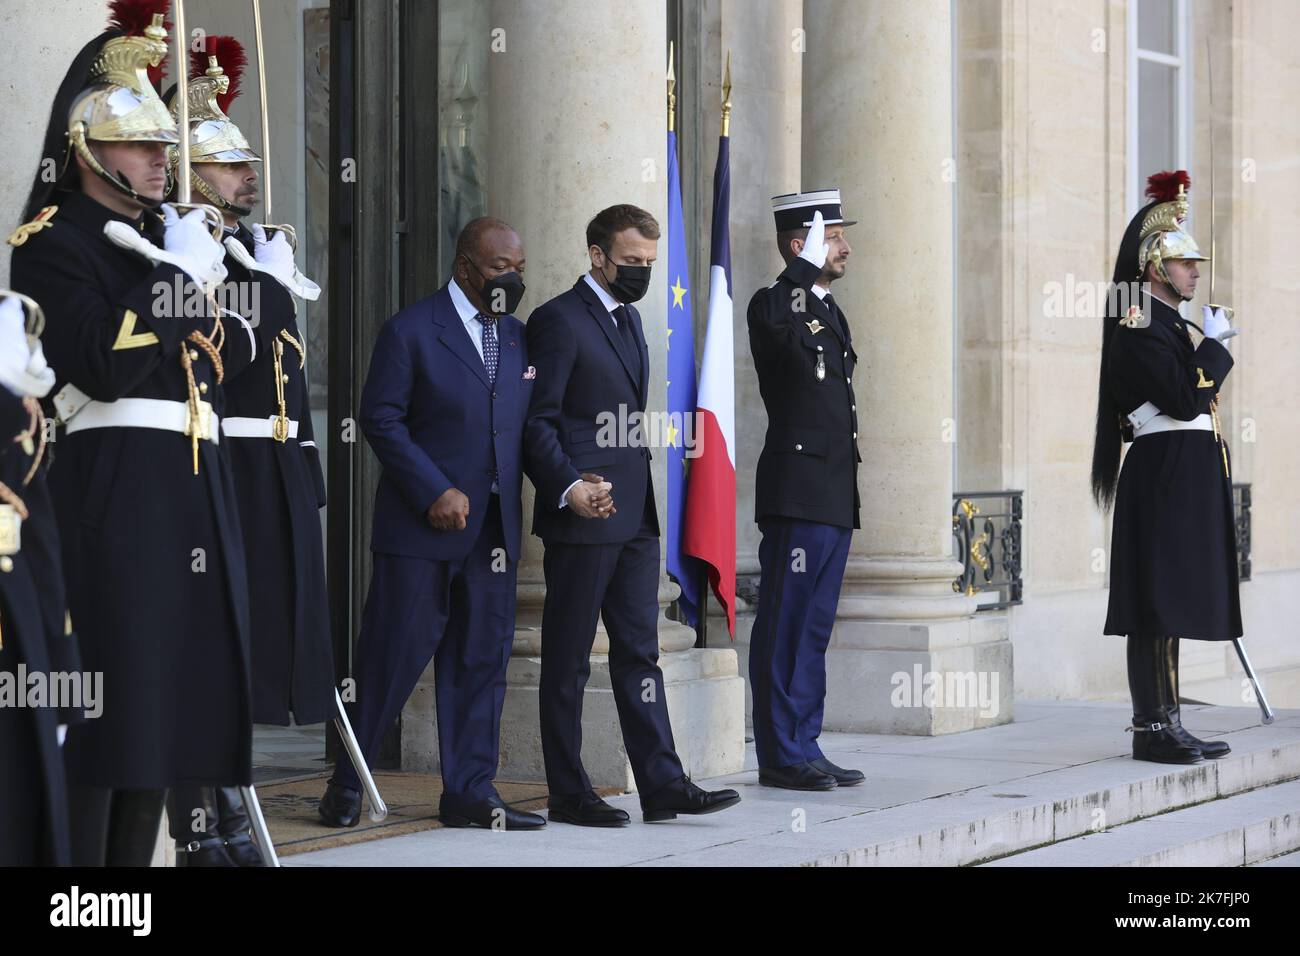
x=877 y=122
x=577 y=123
x=30 y=73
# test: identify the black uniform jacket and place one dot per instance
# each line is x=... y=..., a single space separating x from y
x=1173 y=567
x=809 y=464
x=281 y=490
x=152 y=554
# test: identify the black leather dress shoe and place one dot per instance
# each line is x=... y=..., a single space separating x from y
x=682 y=796
x=800 y=776
x=585 y=810
x=843 y=777
x=340 y=806
x=492 y=812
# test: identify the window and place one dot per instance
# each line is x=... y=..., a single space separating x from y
x=1159 y=92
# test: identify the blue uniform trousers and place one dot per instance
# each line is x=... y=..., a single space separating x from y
x=802 y=568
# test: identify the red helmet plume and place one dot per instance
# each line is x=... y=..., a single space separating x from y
x=1163 y=187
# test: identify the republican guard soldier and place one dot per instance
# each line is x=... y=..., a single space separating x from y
x=266 y=432
x=153 y=559
x=1173 y=558
x=34 y=636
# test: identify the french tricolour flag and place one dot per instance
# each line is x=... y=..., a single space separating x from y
x=710 y=526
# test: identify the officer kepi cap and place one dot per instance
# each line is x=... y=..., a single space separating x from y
x=796 y=210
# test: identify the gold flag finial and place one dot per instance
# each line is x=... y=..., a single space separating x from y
x=672 y=89
x=726 y=98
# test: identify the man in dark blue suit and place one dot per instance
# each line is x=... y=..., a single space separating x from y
x=595 y=511
x=444 y=408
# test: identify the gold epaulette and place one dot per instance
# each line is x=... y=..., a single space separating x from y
x=28 y=229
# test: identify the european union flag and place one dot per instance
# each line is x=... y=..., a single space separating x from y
x=681 y=393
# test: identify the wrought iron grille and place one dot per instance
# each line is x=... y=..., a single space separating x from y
x=986 y=532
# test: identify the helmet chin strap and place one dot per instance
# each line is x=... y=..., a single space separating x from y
x=1177 y=291
x=131 y=191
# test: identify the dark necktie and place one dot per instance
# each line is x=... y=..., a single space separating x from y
x=836 y=316
x=631 y=351
x=491 y=350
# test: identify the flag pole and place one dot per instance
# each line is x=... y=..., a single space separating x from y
x=702 y=632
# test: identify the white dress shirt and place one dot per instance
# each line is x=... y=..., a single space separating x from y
x=608 y=301
x=468 y=315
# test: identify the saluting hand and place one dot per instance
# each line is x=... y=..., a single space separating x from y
x=815 y=248
x=450 y=511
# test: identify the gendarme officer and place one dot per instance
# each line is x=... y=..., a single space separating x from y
x=806 y=494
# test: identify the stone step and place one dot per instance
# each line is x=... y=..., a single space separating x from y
x=1060 y=771
x=989 y=822
x=1286 y=859
x=1236 y=831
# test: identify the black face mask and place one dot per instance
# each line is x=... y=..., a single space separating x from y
x=629 y=283
x=501 y=294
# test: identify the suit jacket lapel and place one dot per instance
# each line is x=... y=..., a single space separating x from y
x=454 y=335
x=643 y=357
x=606 y=323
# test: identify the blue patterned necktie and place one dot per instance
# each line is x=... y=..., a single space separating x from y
x=491 y=350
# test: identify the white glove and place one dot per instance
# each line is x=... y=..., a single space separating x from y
x=275 y=257
x=120 y=234
x=194 y=250
x=815 y=248
x=38 y=378
x=1215 y=324
x=15 y=353
x=22 y=363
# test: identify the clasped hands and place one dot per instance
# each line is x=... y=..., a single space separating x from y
x=591 y=498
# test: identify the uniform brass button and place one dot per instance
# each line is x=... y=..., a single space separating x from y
x=846 y=354
x=853 y=408
x=285 y=378
x=855 y=434
x=798 y=447
x=819 y=348
x=194 y=355
x=848 y=381
x=6 y=564
x=203 y=386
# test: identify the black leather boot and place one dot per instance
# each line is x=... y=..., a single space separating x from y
x=193 y=819
x=1211 y=749
x=233 y=826
x=1153 y=735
